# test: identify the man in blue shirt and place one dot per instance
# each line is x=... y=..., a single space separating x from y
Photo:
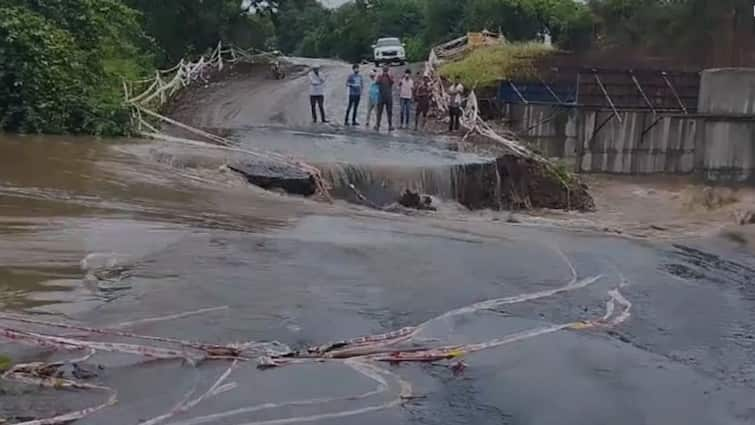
x=355 y=84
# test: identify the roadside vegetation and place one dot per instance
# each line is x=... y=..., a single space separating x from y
x=5 y=363
x=486 y=66
x=63 y=60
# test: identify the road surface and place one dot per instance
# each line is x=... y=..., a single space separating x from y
x=675 y=345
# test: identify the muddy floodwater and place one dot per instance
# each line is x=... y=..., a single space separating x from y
x=677 y=344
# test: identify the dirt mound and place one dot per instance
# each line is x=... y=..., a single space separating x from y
x=527 y=184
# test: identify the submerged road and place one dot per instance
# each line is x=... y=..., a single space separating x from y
x=559 y=327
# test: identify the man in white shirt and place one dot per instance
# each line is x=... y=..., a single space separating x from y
x=406 y=92
x=317 y=93
x=455 y=93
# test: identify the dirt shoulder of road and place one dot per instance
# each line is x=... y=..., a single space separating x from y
x=662 y=207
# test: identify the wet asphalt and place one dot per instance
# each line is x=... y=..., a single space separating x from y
x=301 y=273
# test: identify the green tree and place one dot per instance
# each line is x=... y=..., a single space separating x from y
x=55 y=71
x=299 y=22
x=183 y=27
x=516 y=19
x=443 y=20
x=567 y=21
x=714 y=31
x=570 y=23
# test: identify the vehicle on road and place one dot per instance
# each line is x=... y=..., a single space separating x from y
x=389 y=50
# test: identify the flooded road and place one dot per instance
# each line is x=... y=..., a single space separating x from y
x=676 y=343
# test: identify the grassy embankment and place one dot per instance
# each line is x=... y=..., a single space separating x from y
x=484 y=67
x=5 y=363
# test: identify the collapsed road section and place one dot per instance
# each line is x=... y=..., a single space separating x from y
x=265 y=119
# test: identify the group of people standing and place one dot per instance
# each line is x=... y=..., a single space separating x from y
x=412 y=92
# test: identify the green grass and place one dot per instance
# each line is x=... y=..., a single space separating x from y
x=485 y=66
x=562 y=171
x=5 y=363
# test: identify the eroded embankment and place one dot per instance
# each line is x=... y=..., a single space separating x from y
x=261 y=114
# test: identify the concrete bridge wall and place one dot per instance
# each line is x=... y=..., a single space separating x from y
x=717 y=143
x=618 y=147
x=727 y=148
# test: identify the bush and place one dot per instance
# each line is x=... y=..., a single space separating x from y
x=42 y=72
x=416 y=49
x=63 y=63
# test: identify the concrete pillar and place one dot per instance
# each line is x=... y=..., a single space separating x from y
x=726 y=149
x=727 y=91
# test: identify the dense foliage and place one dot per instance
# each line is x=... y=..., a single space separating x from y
x=189 y=26
x=56 y=72
x=708 y=32
x=719 y=31
x=349 y=31
x=63 y=60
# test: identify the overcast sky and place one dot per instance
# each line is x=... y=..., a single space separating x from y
x=333 y=3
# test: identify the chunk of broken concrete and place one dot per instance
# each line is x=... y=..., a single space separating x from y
x=272 y=176
x=416 y=201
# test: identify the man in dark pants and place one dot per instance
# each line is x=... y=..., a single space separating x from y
x=422 y=96
x=385 y=82
x=317 y=93
x=354 y=83
x=455 y=93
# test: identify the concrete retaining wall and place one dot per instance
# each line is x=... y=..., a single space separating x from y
x=727 y=151
x=727 y=91
x=544 y=127
x=718 y=142
x=639 y=144
x=668 y=146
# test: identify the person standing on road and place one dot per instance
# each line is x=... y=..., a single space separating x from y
x=406 y=93
x=455 y=93
x=422 y=96
x=373 y=96
x=385 y=83
x=317 y=93
x=354 y=83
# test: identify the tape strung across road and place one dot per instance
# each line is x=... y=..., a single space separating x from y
x=361 y=354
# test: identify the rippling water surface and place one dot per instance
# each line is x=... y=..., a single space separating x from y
x=273 y=268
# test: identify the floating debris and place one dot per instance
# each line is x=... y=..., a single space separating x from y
x=362 y=354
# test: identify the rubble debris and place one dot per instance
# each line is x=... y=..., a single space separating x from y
x=362 y=354
x=416 y=201
x=745 y=217
x=271 y=176
x=82 y=373
x=527 y=184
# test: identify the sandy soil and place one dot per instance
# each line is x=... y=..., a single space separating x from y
x=662 y=207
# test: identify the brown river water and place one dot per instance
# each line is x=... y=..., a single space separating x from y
x=681 y=348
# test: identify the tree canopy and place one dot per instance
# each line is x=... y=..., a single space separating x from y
x=63 y=60
x=54 y=72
